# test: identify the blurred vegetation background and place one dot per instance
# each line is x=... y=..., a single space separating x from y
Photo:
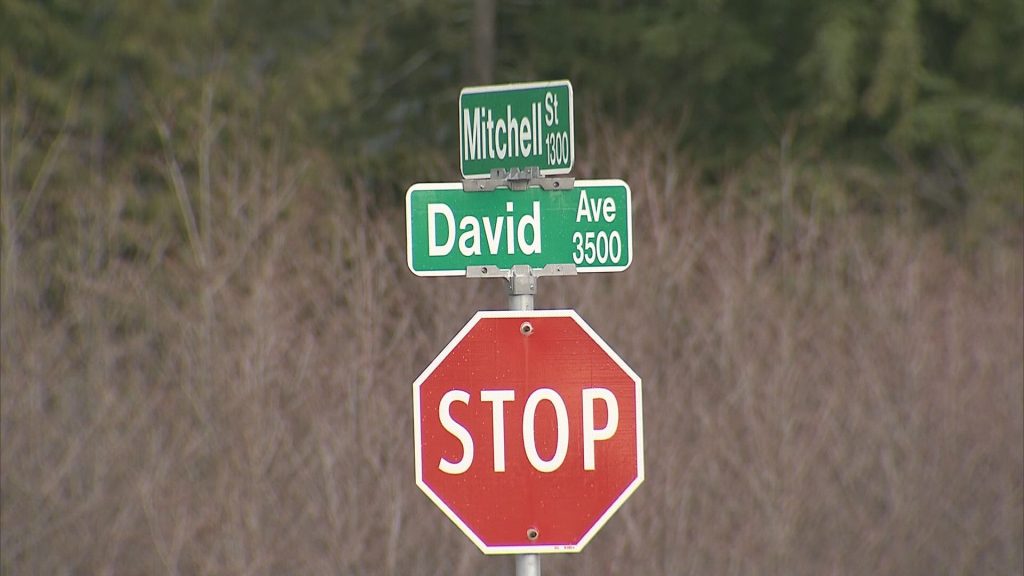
x=209 y=335
x=928 y=89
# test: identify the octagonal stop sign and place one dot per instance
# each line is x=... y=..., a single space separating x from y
x=529 y=431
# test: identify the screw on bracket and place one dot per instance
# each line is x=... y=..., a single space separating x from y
x=517 y=179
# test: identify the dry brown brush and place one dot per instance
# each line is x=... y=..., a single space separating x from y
x=223 y=385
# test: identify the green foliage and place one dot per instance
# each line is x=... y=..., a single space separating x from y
x=832 y=67
x=931 y=86
x=895 y=79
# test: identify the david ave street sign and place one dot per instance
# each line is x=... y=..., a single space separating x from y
x=516 y=126
x=448 y=230
x=528 y=431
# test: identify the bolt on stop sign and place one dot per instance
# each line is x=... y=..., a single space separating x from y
x=528 y=431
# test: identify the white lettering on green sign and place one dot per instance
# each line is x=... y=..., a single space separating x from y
x=448 y=229
x=499 y=232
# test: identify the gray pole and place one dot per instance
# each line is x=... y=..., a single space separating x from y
x=528 y=565
x=522 y=287
x=484 y=40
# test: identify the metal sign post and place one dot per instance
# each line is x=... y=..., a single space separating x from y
x=522 y=287
x=528 y=565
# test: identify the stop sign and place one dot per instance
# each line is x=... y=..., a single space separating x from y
x=529 y=431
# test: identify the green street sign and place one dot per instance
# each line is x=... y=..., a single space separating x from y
x=448 y=230
x=516 y=126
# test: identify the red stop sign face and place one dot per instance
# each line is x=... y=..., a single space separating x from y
x=529 y=431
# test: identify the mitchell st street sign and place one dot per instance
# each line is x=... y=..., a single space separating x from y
x=516 y=126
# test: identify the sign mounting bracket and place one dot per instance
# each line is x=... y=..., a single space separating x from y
x=520 y=270
x=521 y=280
x=517 y=179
